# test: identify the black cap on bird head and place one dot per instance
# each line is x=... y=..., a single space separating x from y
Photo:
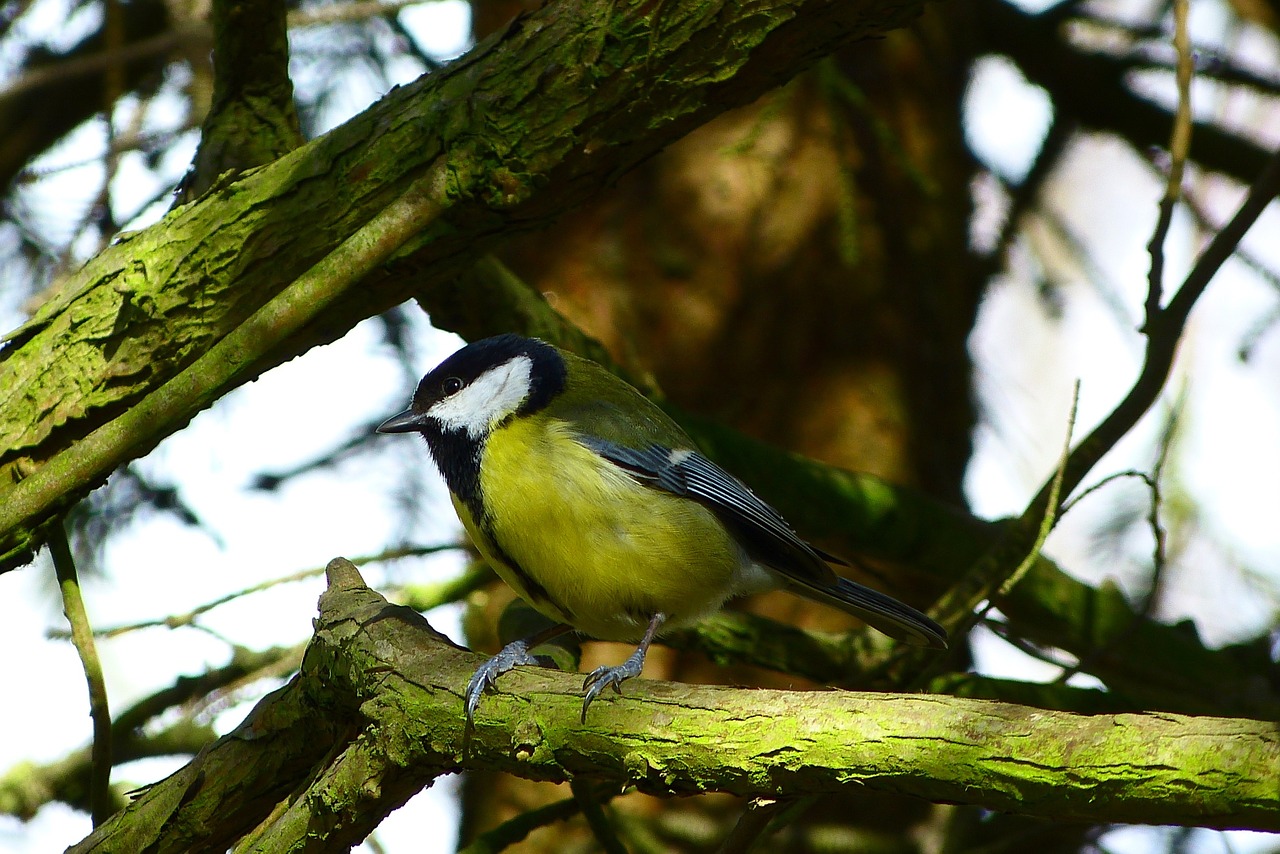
x=482 y=385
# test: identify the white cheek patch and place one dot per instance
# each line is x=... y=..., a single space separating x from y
x=492 y=396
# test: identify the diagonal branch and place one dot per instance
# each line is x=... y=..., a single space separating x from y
x=169 y=407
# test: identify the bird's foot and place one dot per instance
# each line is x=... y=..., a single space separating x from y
x=606 y=677
x=511 y=655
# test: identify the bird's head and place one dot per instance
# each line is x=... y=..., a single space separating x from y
x=481 y=386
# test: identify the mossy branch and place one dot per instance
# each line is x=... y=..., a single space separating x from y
x=376 y=714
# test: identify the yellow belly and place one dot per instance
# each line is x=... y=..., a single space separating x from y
x=608 y=551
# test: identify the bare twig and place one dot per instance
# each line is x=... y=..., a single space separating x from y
x=175 y=621
x=991 y=576
x=1053 y=511
x=96 y=62
x=1159 y=540
x=189 y=32
x=1164 y=331
x=338 y=13
x=82 y=637
x=1250 y=259
x=1143 y=50
x=514 y=831
x=753 y=826
x=1179 y=145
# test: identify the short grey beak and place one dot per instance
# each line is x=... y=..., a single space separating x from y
x=406 y=422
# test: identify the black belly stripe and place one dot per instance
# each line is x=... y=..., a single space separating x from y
x=532 y=588
x=535 y=590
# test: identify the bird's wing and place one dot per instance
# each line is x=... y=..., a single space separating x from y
x=766 y=536
x=760 y=529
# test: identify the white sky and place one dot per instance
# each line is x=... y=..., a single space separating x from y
x=1027 y=366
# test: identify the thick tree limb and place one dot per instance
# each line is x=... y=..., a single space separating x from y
x=376 y=713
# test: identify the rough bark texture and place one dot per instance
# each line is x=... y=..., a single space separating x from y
x=376 y=713
x=252 y=119
x=799 y=270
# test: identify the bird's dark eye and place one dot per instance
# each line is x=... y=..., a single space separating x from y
x=451 y=385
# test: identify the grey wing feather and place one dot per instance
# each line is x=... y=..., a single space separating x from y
x=763 y=532
x=767 y=537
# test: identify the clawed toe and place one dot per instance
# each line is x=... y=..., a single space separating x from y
x=517 y=652
x=609 y=677
x=511 y=655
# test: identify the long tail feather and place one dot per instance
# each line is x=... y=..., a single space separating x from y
x=878 y=610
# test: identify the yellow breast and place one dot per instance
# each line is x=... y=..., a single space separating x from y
x=608 y=551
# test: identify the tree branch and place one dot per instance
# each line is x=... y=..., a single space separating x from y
x=27 y=787
x=379 y=701
x=1090 y=88
x=252 y=119
x=99 y=709
x=170 y=406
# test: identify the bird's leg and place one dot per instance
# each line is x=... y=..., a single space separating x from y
x=603 y=677
x=511 y=655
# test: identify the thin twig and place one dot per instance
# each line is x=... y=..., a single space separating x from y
x=189 y=32
x=175 y=621
x=1165 y=329
x=1159 y=545
x=82 y=637
x=958 y=608
x=1053 y=511
x=1025 y=194
x=94 y=63
x=338 y=13
x=1179 y=146
x=1158 y=549
x=1200 y=214
x=1210 y=60
x=753 y=826
x=1096 y=487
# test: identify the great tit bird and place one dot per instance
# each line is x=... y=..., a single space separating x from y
x=601 y=513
